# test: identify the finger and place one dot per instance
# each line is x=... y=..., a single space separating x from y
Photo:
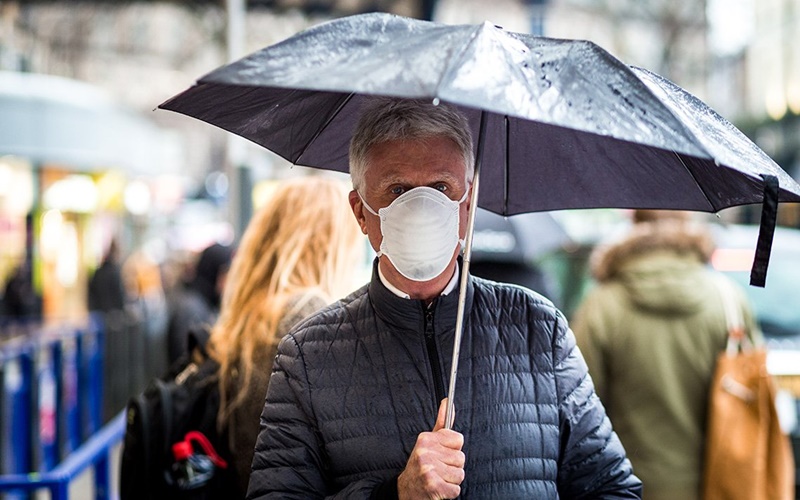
x=452 y=475
x=441 y=416
x=453 y=458
x=449 y=439
x=449 y=490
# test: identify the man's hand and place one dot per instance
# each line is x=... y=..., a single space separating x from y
x=435 y=468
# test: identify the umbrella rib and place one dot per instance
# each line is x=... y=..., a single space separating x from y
x=324 y=127
x=700 y=186
x=506 y=163
x=446 y=73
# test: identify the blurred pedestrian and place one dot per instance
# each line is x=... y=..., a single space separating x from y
x=20 y=301
x=194 y=305
x=527 y=274
x=651 y=331
x=148 y=310
x=300 y=251
x=106 y=288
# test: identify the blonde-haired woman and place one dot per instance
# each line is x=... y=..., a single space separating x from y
x=300 y=252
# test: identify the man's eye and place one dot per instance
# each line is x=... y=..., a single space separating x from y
x=398 y=190
x=441 y=187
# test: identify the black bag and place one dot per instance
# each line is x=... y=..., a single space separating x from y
x=172 y=449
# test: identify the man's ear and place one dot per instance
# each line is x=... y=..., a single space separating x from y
x=358 y=210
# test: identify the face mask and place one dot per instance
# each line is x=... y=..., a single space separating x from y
x=420 y=232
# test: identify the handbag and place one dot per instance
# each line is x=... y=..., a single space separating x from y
x=747 y=454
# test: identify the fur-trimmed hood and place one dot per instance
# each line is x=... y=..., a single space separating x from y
x=683 y=238
x=657 y=263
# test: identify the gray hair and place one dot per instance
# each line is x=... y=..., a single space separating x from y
x=386 y=119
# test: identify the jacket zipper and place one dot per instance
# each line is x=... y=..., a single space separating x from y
x=433 y=357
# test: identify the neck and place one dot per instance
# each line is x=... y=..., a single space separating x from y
x=426 y=291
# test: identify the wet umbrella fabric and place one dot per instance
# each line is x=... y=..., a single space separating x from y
x=569 y=126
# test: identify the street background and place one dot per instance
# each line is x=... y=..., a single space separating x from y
x=86 y=159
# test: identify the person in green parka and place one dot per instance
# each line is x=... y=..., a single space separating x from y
x=650 y=332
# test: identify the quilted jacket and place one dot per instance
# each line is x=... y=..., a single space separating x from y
x=354 y=384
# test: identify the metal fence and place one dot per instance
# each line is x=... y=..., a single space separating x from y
x=62 y=395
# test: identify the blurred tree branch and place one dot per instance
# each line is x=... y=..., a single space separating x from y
x=422 y=9
x=679 y=24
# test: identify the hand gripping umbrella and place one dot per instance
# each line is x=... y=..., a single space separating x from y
x=561 y=124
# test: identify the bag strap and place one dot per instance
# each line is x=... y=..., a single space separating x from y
x=197 y=338
x=734 y=319
x=166 y=414
x=138 y=406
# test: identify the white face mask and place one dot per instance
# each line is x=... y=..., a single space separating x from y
x=420 y=232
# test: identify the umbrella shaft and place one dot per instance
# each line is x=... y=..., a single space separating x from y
x=462 y=290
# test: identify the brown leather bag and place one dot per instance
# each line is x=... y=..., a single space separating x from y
x=747 y=455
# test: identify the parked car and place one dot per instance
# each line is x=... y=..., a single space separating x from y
x=777 y=305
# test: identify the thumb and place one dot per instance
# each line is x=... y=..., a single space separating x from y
x=440 y=418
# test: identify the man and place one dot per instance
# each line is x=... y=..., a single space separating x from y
x=351 y=409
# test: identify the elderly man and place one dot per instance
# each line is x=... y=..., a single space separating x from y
x=351 y=409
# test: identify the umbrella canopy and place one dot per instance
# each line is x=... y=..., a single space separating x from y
x=569 y=125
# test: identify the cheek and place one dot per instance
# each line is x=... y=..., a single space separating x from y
x=373 y=227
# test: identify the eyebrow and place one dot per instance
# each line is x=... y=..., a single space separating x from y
x=392 y=179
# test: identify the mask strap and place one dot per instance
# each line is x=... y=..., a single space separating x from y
x=366 y=205
x=370 y=210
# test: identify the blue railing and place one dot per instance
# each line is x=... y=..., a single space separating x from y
x=51 y=404
x=94 y=452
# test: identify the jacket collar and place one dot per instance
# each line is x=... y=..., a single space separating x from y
x=409 y=314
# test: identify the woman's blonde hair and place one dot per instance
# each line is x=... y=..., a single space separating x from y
x=303 y=241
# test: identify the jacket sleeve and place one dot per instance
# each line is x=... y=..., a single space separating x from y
x=592 y=460
x=289 y=460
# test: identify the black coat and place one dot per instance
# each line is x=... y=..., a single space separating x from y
x=354 y=385
x=106 y=289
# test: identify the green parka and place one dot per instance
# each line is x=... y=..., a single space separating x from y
x=650 y=332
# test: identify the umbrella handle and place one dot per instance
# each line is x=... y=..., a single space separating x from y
x=462 y=289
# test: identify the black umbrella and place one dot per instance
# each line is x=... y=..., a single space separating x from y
x=569 y=125
x=560 y=123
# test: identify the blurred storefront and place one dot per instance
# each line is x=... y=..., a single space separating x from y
x=76 y=170
x=768 y=81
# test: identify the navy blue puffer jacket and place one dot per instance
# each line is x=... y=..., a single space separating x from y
x=353 y=386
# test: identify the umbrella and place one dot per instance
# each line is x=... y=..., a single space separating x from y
x=515 y=240
x=570 y=125
x=560 y=123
